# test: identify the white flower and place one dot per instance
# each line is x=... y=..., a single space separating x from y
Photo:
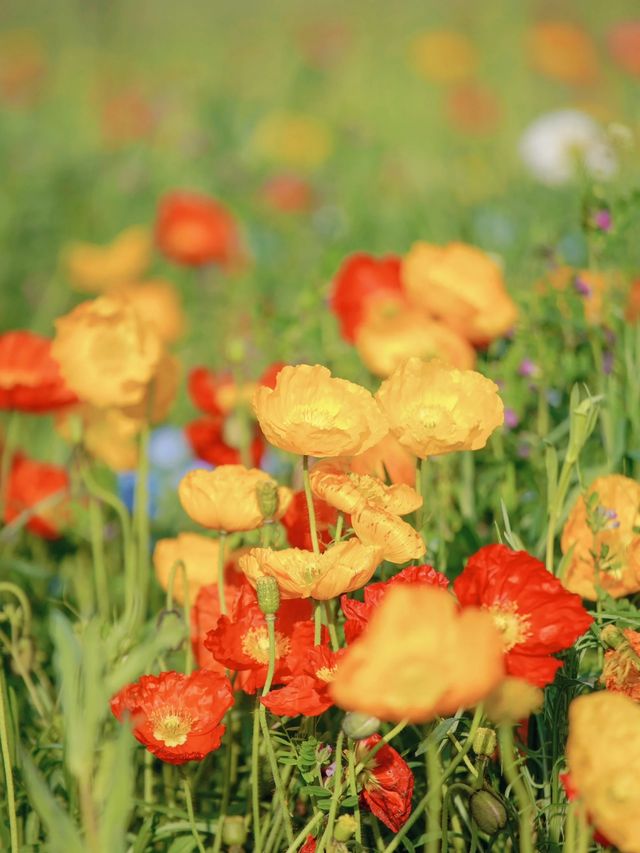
x=554 y=145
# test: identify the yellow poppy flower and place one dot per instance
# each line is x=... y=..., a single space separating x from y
x=603 y=753
x=227 y=497
x=158 y=304
x=612 y=537
x=444 y=56
x=433 y=408
x=397 y=539
x=160 y=392
x=344 y=567
x=294 y=140
x=387 y=459
x=419 y=657
x=461 y=286
x=334 y=482
x=108 y=435
x=200 y=557
x=94 y=268
x=311 y=413
x=106 y=354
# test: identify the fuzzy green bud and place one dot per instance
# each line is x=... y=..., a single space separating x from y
x=344 y=828
x=488 y=811
x=612 y=636
x=234 y=831
x=267 y=495
x=268 y=595
x=359 y=726
x=484 y=742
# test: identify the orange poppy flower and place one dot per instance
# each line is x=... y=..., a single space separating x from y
x=361 y=280
x=473 y=109
x=205 y=613
x=433 y=408
x=30 y=379
x=298 y=141
x=226 y=498
x=603 y=752
x=194 y=230
x=94 y=268
x=398 y=541
x=209 y=442
x=564 y=52
x=621 y=670
x=307 y=689
x=296 y=522
x=334 y=482
x=388 y=459
x=601 y=539
x=23 y=67
x=39 y=490
x=394 y=331
x=444 y=56
x=106 y=354
x=160 y=392
x=461 y=286
x=632 y=309
x=312 y=413
x=108 y=435
x=158 y=305
x=200 y=556
x=623 y=41
x=343 y=567
x=419 y=657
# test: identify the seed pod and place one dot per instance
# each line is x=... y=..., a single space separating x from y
x=267 y=495
x=488 y=811
x=268 y=595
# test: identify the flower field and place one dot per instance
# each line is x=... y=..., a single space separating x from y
x=319 y=427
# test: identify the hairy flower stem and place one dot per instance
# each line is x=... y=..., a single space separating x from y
x=255 y=777
x=310 y=507
x=512 y=774
x=382 y=742
x=186 y=787
x=335 y=797
x=452 y=791
x=306 y=830
x=421 y=489
x=434 y=804
x=141 y=512
x=353 y=790
x=221 y=561
x=180 y=566
x=331 y=625
x=8 y=446
x=224 y=802
x=96 y=529
x=8 y=771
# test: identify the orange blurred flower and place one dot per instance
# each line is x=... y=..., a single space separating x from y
x=434 y=409
x=298 y=141
x=361 y=280
x=30 y=379
x=632 y=309
x=226 y=498
x=199 y=554
x=22 y=67
x=564 y=52
x=158 y=304
x=127 y=116
x=394 y=331
x=419 y=657
x=39 y=490
x=312 y=413
x=621 y=670
x=343 y=567
x=603 y=753
x=296 y=522
x=334 y=482
x=462 y=286
x=444 y=56
x=601 y=539
x=93 y=268
x=288 y=194
x=106 y=354
x=397 y=539
x=473 y=109
x=194 y=230
x=623 y=41
x=388 y=459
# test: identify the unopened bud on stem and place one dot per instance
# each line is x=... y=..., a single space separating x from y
x=268 y=595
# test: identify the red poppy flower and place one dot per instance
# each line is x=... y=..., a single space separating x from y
x=206 y=437
x=309 y=845
x=296 y=522
x=205 y=614
x=307 y=690
x=195 y=230
x=387 y=783
x=533 y=611
x=30 y=379
x=177 y=717
x=572 y=793
x=360 y=279
x=240 y=641
x=358 y=613
x=41 y=488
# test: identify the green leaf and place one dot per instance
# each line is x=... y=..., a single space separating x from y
x=315 y=791
x=63 y=836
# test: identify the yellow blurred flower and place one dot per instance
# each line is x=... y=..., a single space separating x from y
x=444 y=56
x=107 y=355
x=299 y=141
x=612 y=540
x=200 y=556
x=387 y=459
x=158 y=304
x=107 y=435
x=393 y=331
x=603 y=753
x=160 y=392
x=397 y=539
x=343 y=567
x=93 y=268
x=227 y=497
x=334 y=482
x=461 y=286
x=563 y=51
x=419 y=657
x=514 y=699
x=311 y=413
x=433 y=408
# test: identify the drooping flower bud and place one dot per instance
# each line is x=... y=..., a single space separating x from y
x=488 y=811
x=484 y=742
x=267 y=494
x=359 y=726
x=268 y=595
x=234 y=830
x=344 y=828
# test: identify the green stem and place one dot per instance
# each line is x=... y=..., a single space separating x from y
x=317 y=622
x=186 y=787
x=141 y=510
x=310 y=507
x=512 y=774
x=353 y=790
x=434 y=805
x=382 y=742
x=222 y=547
x=339 y=527
x=450 y=794
x=186 y=607
x=255 y=778
x=335 y=798
x=96 y=524
x=8 y=770
x=306 y=830
x=224 y=803
x=148 y=781
x=8 y=447
x=421 y=489
x=331 y=625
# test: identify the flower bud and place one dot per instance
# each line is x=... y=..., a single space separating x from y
x=267 y=495
x=488 y=811
x=359 y=726
x=234 y=830
x=25 y=653
x=612 y=636
x=268 y=595
x=484 y=742
x=344 y=828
